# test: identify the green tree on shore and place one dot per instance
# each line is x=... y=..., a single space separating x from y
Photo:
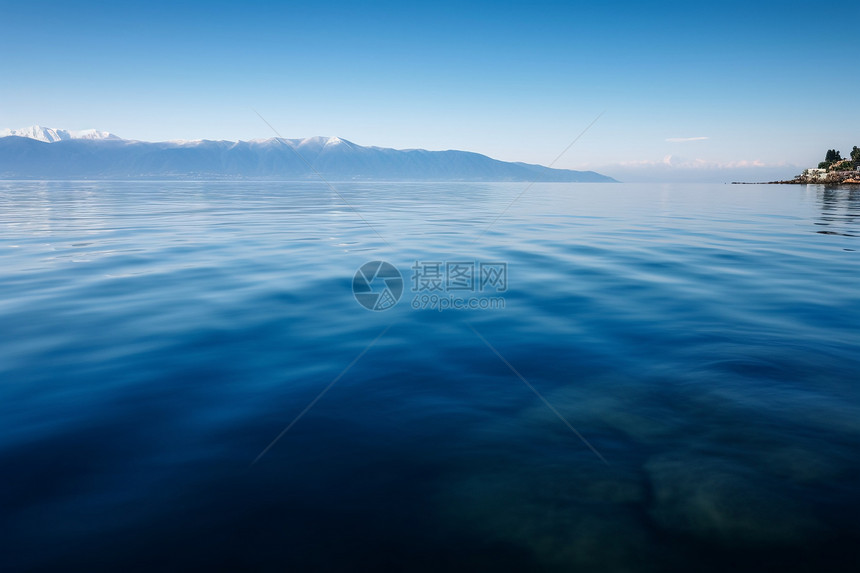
x=832 y=156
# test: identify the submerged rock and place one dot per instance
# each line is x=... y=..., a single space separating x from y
x=721 y=501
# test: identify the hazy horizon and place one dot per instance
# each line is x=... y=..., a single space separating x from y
x=669 y=169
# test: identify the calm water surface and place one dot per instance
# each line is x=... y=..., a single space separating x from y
x=156 y=337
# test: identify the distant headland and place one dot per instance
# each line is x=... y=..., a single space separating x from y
x=834 y=170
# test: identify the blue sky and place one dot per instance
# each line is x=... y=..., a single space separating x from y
x=516 y=81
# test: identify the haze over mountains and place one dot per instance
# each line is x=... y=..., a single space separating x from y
x=45 y=153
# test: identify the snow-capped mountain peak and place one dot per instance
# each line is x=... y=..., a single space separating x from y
x=51 y=135
x=92 y=134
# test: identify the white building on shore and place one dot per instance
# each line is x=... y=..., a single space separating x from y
x=815 y=174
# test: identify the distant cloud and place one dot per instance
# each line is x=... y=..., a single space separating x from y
x=682 y=169
x=685 y=139
x=681 y=163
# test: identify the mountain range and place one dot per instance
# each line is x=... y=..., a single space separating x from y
x=46 y=153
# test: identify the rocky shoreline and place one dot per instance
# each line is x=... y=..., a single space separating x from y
x=846 y=183
x=850 y=178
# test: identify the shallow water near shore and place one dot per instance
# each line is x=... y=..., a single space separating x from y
x=157 y=337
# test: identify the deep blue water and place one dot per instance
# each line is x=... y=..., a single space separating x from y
x=156 y=337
